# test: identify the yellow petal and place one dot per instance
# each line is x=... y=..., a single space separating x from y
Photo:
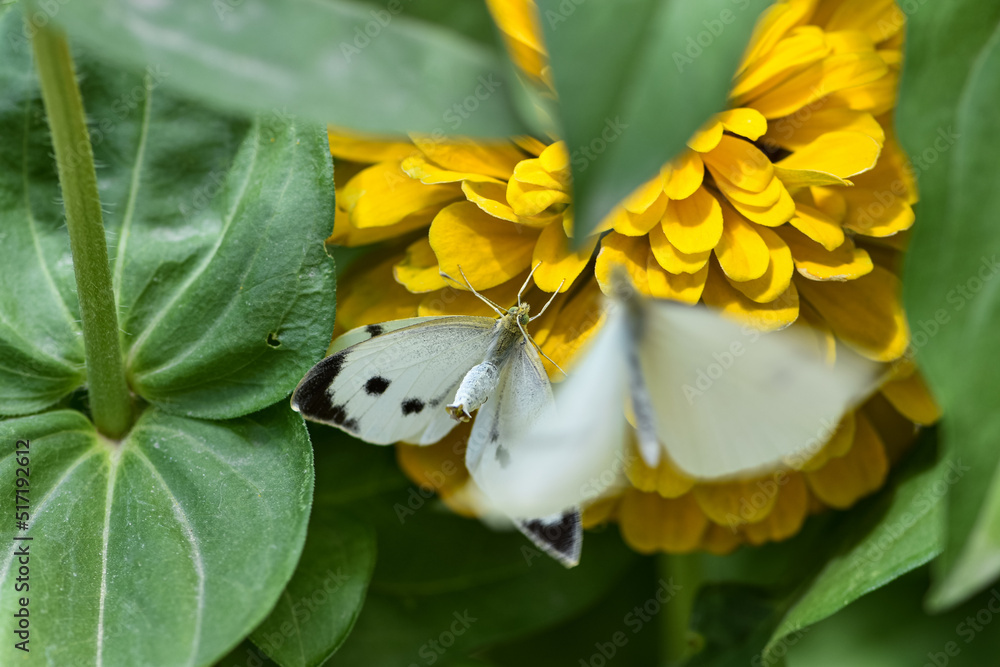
x=880 y=19
x=383 y=195
x=838 y=445
x=665 y=479
x=741 y=251
x=684 y=175
x=346 y=234
x=560 y=265
x=865 y=313
x=629 y=223
x=817 y=263
x=491 y=197
x=741 y=163
x=767 y=197
x=744 y=121
x=647 y=194
x=599 y=512
x=794 y=133
x=912 y=397
x=707 y=137
x=770 y=316
x=369 y=294
x=774 y=24
x=802 y=47
x=734 y=504
x=841 y=154
x=367 y=148
x=425 y=171
x=418 y=270
x=844 y=480
x=672 y=259
x=877 y=213
x=796 y=179
x=832 y=73
x=490 y=251
x=683 y=287
x=629 y=252
x=789 y=511
x=771 y=216
x=831 y=202
x=579 y=319
x=826 y=342
x=465 y=155
x=529 y=200
x=818 y=226
x=651 y=523
x=720 y=541
x=778 y=275
x=456 y=299
x=693 y=225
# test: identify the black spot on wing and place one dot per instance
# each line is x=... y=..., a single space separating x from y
x=560 y=537
x=350 y=425
x=376 y=385
x=373 y=329
x=503 y=456
x=312 y=397
x=412 y=406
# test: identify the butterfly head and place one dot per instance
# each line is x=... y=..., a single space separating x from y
x=522 y=312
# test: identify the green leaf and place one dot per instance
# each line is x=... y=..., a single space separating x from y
x=437 y=572
x=215 y=229
x=898 y=532
x=332 y=61
x=663 y=67
x=890 y=629
x=322 y=601
x=947 y=123
x=166 y=548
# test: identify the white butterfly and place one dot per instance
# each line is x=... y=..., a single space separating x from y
x=724 y=401
x=391 y=382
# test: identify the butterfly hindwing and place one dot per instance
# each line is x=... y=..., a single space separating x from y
x=729 y=400
x=393 y=386
x=559 y=535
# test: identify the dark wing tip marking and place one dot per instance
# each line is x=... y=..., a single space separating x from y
x=376 y=385
x=374 y=329
x=560 y=537
x=412 y=406
x=312 y=397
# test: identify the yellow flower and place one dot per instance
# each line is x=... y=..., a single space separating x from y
x=791 y=205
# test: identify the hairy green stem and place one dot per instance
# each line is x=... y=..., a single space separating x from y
x=110 y=401
x=683 y=571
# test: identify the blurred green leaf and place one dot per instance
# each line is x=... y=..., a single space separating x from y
x=332 y=61
x=889 y=629
x=635 y=79
x=215 y=229
x=322 y=601
x=900 y=532
x=166 y=548
x=947 y=121
x=445 y=586
x=836 y=559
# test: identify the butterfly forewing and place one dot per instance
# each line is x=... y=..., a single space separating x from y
x=393 y=386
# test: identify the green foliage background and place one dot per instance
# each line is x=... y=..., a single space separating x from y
x=209 y=535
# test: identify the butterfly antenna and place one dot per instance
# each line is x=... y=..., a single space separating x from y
x=472 y=289
x=545 y=307
x=526 y=281
x=538 y=347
